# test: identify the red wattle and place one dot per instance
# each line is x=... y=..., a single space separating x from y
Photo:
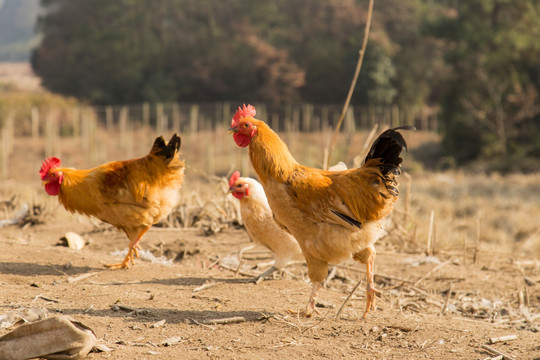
x=238 y=195
x=241 y=139
x=52 y=188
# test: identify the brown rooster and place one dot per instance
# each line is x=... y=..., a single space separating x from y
x=334 y=215
x=131 y=195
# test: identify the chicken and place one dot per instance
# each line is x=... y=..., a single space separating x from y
x=260 y=224
x=334 y=215
x=131 y=195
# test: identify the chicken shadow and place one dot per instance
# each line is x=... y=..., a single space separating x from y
x=191 y=281
x=172 y=316
x=29 y=269
x=194 y=281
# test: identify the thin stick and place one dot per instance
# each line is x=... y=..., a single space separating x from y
x=375 y=275
x=81 y=277
x=347 y=299
x=429 y=243
x=242 y=260
x=477 y=243
x=244 y=273
x=204 y=286
x=353 y=83
x=46 y=298
x=445 y=306
x=431 y=272
x=231 y=320
x=497 y=352
x=502 y=338
x=358 y=159
x=408 y=195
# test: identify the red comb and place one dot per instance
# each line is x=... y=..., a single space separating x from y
x=242 y=112
x=48 y=163
x=235 y=175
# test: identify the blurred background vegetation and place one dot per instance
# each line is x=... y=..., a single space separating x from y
x=475 y=62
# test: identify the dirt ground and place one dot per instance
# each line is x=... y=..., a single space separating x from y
x=159 y=310
x=408 y=324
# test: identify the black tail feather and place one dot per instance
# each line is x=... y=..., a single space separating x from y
x=166 y=150
x=388 y=147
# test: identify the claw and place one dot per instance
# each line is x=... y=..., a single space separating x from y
x=128 y=260
x=370 y=298
x=308 y=312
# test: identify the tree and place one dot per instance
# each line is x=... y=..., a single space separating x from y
x=119 y=52
x=190 y=50
x=491 y=105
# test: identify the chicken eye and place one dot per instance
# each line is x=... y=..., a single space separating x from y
x=246 y=125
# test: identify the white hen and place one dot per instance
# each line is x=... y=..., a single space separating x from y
x=260 y=224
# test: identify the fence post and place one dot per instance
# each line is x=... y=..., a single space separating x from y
x=395 y=116
x=146 y=115
x=307 y=116
x=160 y=126
x=176 y=117
x=194 y=118
x=109 y=118
x=75 y=122
x=35 y=122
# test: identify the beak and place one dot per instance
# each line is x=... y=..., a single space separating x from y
x=232 y=131
x=44 y=182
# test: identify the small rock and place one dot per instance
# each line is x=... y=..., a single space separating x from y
x=74 y=240
x=158 y=324
x=171 y=341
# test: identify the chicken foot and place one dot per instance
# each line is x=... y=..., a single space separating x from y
x=367 y=256
x=310 y=307
x=133 y=251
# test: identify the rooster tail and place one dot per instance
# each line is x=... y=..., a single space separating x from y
x=166 y=151
x=387 y=148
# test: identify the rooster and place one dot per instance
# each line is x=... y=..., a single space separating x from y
x=260 y=225
x=334 y=215
x=131 y=195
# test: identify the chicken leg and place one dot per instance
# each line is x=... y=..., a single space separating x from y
x=310 y=307
x=367 y=256
x=133 y=251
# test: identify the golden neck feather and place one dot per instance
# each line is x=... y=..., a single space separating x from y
x=269 y=155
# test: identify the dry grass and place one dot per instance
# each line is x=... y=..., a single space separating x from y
x=505 y=207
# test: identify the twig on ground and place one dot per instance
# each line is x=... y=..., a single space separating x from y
x=231 y=320
x=502 y=338
x=201 y=324
x=314 y=325
x=81 y=277
x=115 y=282
x=431 y=272
x=497 y=352
x=243 y=273
x=347 y=299
x=242 y=261
x=375 y=275
x=45 y=298
x=445 y=306
x=206 y=285
x=116 y=307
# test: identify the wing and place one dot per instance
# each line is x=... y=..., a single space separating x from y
x=348 y=198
